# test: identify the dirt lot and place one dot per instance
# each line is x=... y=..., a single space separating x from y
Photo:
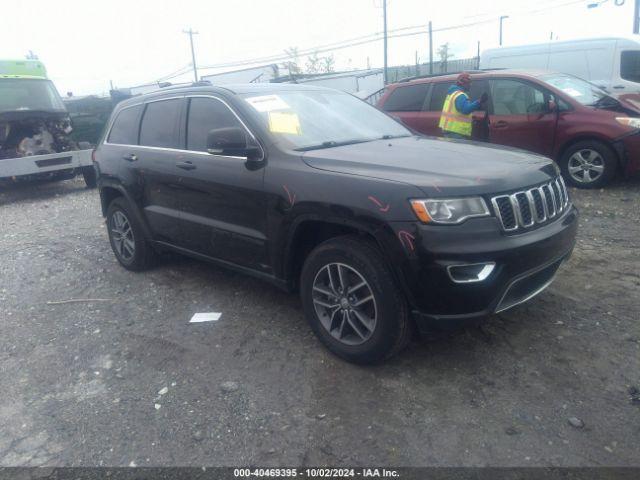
x=128 y=380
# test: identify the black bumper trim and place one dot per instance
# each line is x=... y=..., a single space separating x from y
x=426 y=321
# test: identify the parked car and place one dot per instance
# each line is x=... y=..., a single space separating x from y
x=315 y=190
x=611 y=63
x=35 y=128
x=590 y=134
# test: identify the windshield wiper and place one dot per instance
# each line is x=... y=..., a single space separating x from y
x=389 y=137
x=333 y=143
x=604 y=102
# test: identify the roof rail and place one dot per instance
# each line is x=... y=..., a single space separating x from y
x=431 y=75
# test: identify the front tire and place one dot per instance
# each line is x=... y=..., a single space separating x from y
x=127 y=237
x=352 y=302
x=588 y=164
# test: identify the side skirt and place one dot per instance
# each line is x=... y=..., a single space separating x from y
x=281 y=284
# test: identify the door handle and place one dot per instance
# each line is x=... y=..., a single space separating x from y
x=186 y=165
x=618 y=87
x=501 y=124
x=132 y=157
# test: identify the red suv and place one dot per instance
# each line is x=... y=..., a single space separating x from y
x=590 y=134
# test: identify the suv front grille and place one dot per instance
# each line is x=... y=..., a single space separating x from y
x=531 y=207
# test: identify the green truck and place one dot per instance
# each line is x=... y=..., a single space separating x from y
x=36 y=139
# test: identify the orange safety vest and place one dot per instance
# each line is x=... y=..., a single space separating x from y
x=452 y=119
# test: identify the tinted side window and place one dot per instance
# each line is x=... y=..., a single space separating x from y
x=125 y=127
x=408 y=98
x=630 y=65
x=159 y=124
x=206 y=114
x=438 y=94
x=516 y=98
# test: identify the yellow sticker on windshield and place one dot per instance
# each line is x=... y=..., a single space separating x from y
x=284 y=122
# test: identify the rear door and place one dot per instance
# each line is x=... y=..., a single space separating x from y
x=156 y=160
x=406 y=102
x=520 y=116
x=222 y=197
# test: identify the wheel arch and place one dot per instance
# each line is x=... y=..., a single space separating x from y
x=109 y=192
x=107 y=195
x=587 y=137
x=308 y=232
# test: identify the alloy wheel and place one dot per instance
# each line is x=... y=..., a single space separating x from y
x=586 y=166
x=344 y=303
x=122 y=236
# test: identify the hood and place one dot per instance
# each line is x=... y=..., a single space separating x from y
x=440 y=167
x=631 y=101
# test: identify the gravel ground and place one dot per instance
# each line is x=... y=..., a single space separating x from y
x=127 y=380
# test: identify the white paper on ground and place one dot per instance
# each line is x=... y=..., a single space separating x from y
x=205 y=317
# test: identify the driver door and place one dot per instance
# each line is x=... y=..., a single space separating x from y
x=222 y=199
x=520 y=116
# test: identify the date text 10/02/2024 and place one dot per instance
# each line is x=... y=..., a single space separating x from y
x=316 y=472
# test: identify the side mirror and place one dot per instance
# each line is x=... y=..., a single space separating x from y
x=552 y=106
x=231 y=141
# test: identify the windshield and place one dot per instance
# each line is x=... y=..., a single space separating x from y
x=311 y=119
x=580 y=90
x=22 y=94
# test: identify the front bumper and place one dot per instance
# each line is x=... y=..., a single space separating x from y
x=44 y=164
x=525 y=264
x=628 y=149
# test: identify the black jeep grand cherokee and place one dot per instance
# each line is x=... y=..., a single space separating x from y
x=312 y=189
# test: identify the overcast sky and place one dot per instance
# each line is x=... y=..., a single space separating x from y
x=86 y=43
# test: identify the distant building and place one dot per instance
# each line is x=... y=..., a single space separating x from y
x=262 y=74
x=361 y=83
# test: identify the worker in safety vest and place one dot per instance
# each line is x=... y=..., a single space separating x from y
x=455 y=120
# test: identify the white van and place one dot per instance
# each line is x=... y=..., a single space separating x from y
x=611 y=63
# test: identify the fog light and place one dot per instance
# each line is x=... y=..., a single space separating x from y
x=471 y=272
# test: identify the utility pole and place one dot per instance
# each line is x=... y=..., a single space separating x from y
x=384 y=16
x=501 y=19
x=478 y=55
x=430 y=49
x=191 y=33
x=636 y=17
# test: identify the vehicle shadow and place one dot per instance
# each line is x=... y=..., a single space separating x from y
x=38 y=190
x=623 y=183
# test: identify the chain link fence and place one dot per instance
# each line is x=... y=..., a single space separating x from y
x=452 y=66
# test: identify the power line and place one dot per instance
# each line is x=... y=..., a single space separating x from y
x=370 y=38
x=178 y=72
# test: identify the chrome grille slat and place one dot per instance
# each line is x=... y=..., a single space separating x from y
x=544 y=202
x=551 y=201
x=541 y=213
x=565 y=191
x=534 y=206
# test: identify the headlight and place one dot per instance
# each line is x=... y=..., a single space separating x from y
x=629 y=121
x=449 y=211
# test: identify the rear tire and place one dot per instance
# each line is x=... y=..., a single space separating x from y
x=90 y=176
x=352 y=326
x=588 y=164
x=127 y=238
